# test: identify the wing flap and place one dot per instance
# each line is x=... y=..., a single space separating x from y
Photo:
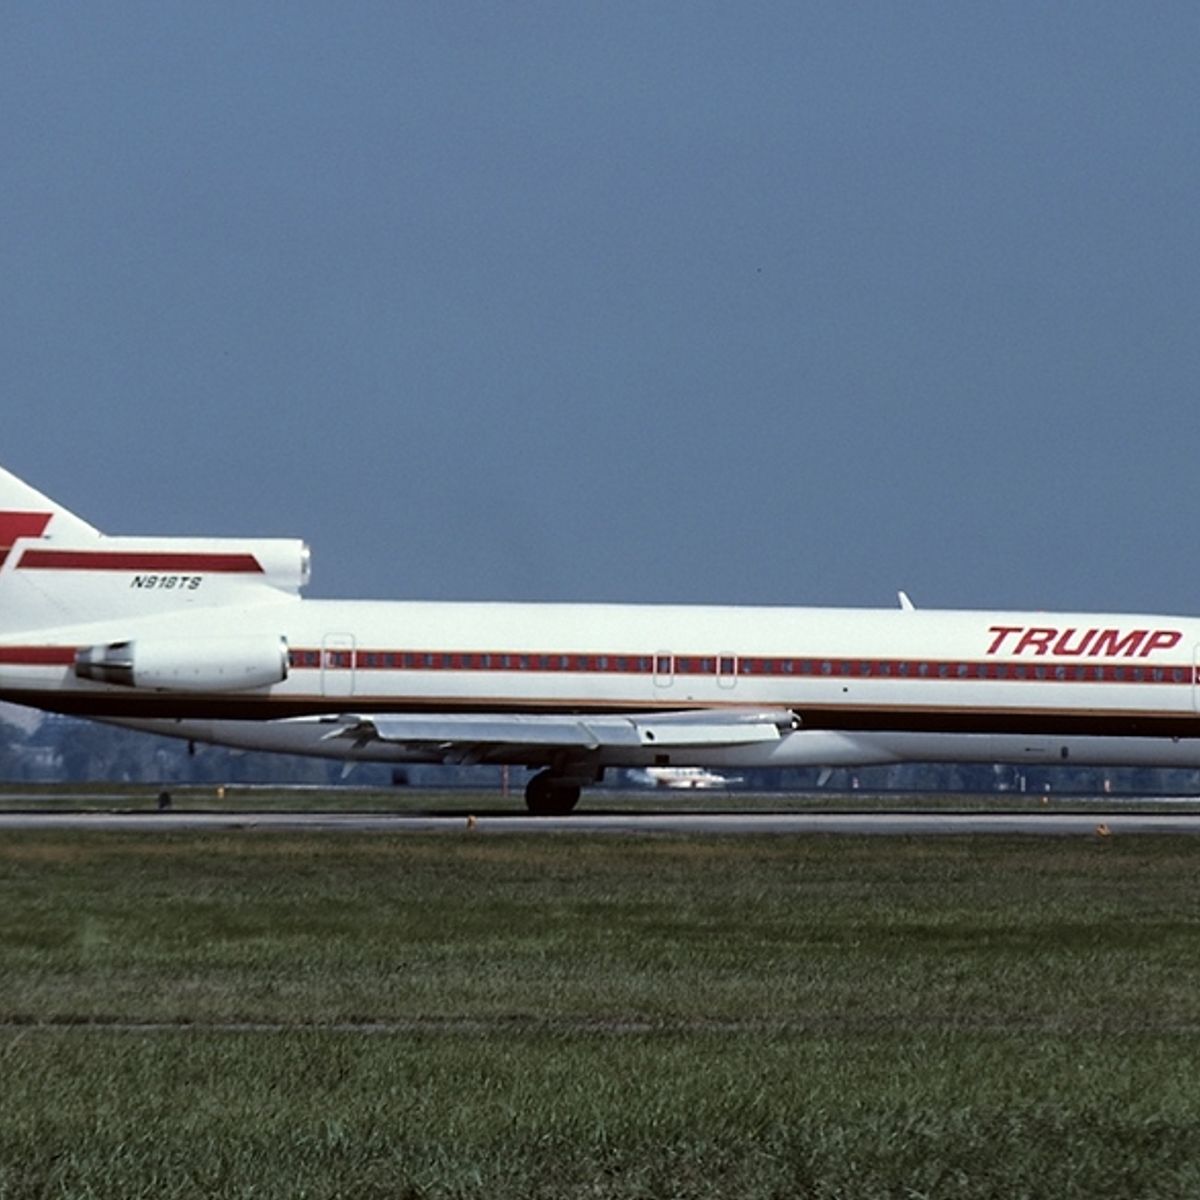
x=723 y=727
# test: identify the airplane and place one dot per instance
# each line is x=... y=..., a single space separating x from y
x=212 y=640
x=687 y=779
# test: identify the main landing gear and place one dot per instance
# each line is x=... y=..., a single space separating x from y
x=550 y=795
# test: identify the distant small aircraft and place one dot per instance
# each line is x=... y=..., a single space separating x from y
x=680 y=778
x=211 y=640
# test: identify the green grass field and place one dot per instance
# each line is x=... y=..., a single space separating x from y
x=262 y=1014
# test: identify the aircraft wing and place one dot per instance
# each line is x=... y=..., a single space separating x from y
x=580 y=732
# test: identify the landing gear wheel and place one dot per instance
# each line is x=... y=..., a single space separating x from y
x=546 y=795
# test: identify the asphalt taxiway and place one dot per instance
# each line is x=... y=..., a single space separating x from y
x=899 y=824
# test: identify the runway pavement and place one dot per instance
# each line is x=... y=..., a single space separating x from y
x=898 y=824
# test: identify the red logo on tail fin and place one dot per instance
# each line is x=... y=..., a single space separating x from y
x=15 y=525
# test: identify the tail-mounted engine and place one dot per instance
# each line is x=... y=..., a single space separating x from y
x=187 y=664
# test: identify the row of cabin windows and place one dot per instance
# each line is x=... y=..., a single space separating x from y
x=727 y=666
x=373 y=660
x=948 y=670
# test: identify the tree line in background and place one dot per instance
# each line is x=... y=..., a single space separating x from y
x=65 y=750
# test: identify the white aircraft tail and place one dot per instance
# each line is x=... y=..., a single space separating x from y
x=26 y=513
x=58 y=571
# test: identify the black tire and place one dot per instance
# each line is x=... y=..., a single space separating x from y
x=548 y=796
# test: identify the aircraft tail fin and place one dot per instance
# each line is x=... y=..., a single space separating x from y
x=27 y=513
x=59 y=572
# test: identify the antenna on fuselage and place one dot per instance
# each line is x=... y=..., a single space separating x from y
x=905 y=602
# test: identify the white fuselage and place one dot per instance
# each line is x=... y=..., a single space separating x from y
x=865 y=685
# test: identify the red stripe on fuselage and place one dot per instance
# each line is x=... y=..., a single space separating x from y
x=750 y=668
x=768 y=670
x=122 y=560
x=37 y=656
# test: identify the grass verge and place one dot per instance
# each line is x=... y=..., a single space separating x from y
x=273 y=1015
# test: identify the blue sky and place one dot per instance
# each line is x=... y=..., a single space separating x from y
x=756 y=303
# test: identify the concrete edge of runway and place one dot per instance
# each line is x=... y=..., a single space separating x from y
x=1100 y=823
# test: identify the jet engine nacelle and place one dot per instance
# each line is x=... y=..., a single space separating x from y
x=187 y=664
